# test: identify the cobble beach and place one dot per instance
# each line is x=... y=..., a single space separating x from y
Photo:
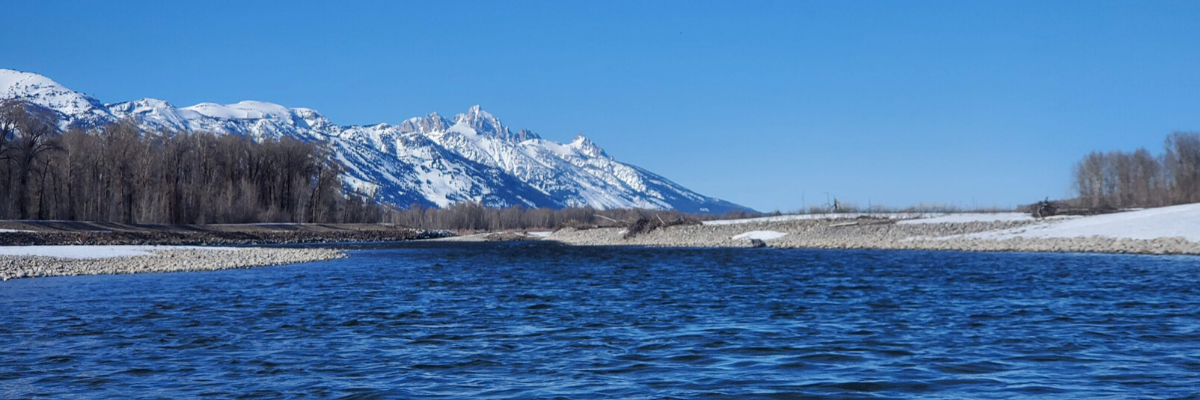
x=150 y=259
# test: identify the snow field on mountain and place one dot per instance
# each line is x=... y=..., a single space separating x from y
x=242 y=110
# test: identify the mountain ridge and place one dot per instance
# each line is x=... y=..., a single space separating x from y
x=429 y=160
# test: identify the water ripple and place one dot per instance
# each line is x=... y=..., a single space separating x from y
x=546 y=321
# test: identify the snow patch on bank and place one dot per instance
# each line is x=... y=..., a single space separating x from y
x=907 y=218
x=826 y=216
x=962 y=218
x=1165 y=222
x=760 y=235
x=84 y=251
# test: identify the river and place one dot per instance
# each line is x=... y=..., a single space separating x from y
x=540 y=320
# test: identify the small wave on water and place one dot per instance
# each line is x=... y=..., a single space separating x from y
x=537 y=320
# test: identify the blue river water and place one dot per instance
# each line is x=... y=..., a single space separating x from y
x=536 y=320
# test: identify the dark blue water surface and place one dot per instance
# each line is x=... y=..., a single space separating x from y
x=543 y=321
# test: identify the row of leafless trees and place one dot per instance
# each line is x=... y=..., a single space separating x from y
x=118 y=173
x=1119 y=179
x=472 y=216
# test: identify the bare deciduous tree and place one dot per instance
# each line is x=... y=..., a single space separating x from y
x=1139 y=179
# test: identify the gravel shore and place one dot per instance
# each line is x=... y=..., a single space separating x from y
x=167 y=260
x=872 y=234
x=42 y=233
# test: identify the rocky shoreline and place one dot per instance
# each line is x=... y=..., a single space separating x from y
x=211 y=237
x=872 y=234
x=164 y=260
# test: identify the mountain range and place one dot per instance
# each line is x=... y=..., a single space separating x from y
x=430 y=160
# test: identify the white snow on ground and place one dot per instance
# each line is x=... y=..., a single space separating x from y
x=794 y=217
x=95 y=251
x=760 y=235
x=12 y=230
x=959 y=218
x=540 y=234
x=1175 y=221
x=930 y=217
x=906 y=218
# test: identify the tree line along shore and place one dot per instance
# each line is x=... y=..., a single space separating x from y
x=1139 y=179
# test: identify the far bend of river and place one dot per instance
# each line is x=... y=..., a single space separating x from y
x=539 y=320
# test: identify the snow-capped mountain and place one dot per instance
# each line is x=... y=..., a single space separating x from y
x=429 y=160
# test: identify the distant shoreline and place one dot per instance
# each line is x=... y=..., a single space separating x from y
x=31 y=249
x=1008 y=232
x=42 y=233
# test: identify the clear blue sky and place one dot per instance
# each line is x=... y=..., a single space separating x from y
x=760 y=103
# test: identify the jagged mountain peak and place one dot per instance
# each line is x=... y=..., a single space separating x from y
x=477 y=111
x=429 y=123
x=482 y=122
x=587 y=147
x=525 y=134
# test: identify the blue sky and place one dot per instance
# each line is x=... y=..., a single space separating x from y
x=760 y=103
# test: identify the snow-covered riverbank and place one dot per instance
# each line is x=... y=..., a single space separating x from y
x=1167 y=230
x=1182 y=221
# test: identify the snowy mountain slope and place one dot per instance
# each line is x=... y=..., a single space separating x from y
x=408 y=168
x=429 y=160
x=73 y=108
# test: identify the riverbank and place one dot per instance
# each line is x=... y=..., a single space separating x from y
x=1168 y=230
x=39 y=261
x=25 y=233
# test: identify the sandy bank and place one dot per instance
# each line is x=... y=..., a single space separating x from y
x=36 y=261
